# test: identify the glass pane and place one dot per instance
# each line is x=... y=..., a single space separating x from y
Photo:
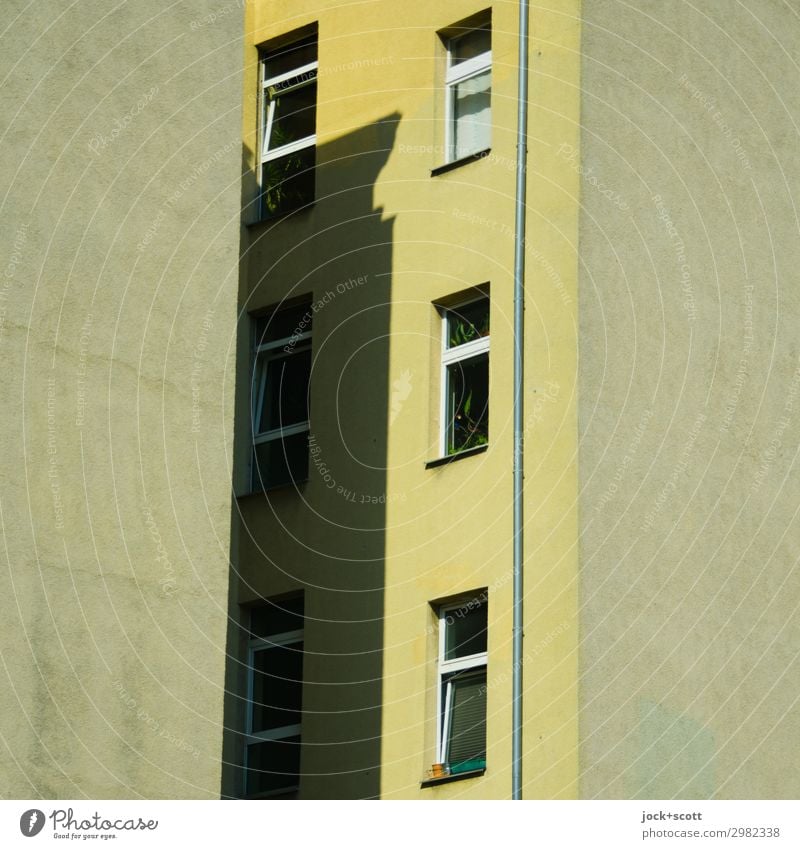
x=466 y=743
x=465 y=631
x=279 y=62
x=276 y=617
x=470 y=45
x=288 y=182
x=468 y=404
x=273 y=765
x=277 y=686
x=280 y=462
x=472 y=115
x=286 y=390
x=284 y=324
x=467 y=323
x=294 y=116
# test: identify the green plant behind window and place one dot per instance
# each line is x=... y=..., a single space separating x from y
x=469 y=405
x=468 y=323
x=288 y=181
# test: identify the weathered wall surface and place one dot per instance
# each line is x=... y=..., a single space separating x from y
x=120 y=160
x=689 y=400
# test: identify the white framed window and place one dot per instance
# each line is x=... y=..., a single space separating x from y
x=465 y=376
x=280 y=397
x=288 y=134
x=468 y=93
x=461 y=729
x=274 y=699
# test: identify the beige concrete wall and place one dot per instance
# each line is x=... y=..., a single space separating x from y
x=120 y=172
x=689 y=389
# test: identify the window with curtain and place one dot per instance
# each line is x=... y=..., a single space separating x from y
x=468 y=89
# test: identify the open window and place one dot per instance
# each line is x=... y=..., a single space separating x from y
x=280 y=402
x=465 y=375
x=461 y=729
x=288 y=117
x=274 y=699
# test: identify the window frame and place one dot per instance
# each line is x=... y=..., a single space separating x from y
x=456 y=74
x=263 y=355
x=266 y=111
x=450 y=356
x=251 y=737
x=446 y=669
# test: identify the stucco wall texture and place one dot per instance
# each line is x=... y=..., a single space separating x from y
x=120 y=165
x=689 y=400
x=120 y=160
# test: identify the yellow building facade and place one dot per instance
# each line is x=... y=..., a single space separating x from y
x=384 y=529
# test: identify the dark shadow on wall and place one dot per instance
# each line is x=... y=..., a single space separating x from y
x=324 y=537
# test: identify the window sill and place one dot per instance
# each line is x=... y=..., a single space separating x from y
x=283 y=793
x=451 y=458
x=279 y=216
x=457 y=163
x=280 y=487
x=446 y=779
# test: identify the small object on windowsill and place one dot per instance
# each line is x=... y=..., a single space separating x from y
x=458 y=455
x=439 y=771
x=432 y=780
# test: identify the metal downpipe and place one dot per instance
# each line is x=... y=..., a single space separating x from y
x=519 y=335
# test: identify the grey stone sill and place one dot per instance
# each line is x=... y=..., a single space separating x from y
x=460 y=455
x=457 y=163
x=279 y=216
x=276 y=488
x=446 y=779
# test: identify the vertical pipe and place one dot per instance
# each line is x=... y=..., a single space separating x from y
x=519 y=336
